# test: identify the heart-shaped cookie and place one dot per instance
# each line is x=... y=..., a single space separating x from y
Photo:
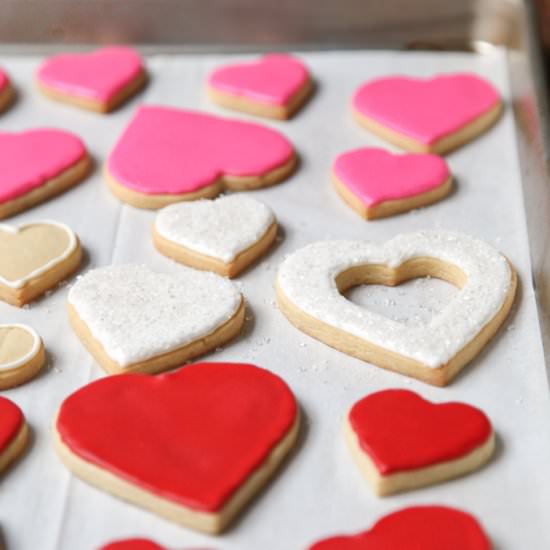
x=223 y=235
x=376 y=183
x=274 y=86
x=427 y=115
x=14 y=433
x=401 y=441
x=416 y=528
x=311 y=281
x=192 y=446
x=198 y=156
x=34 y=257
x=6 y=91
x=98 y=81
x=133 y=319
x=133 y=544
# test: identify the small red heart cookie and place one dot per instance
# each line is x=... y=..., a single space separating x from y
x=427 y=115
x=416 y=528
x=98 y=81
x=198 y=156
x=376 y=183
x=192 y=446
x=401 y=441
x=6 y=91
x=36 y=165
x=133 y=544
x=275 y=86
x=14 y=433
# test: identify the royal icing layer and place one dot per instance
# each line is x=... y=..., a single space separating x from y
x=98 y=75
x=307 y=279
x=375 y=175
x=220 y=228
x=422 y=433
x=11 y=421
x=193 y=436
x=274 y=79
x=32 y=158
x=32 y=249
x=133 y=544
x=137 y=314
x=18 y=345
x=425 y=109
x=171 y=151
x=416 y=528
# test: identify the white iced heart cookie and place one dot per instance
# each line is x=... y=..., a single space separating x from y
x=132 y=319
x=223 y=235
x=311 y=281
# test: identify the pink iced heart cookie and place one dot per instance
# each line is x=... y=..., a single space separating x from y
x=36 y=165
x=427 y=115
x=376 y=183
x=167 y=155
x=275 y=86
x=98 y=81
x=6 y=91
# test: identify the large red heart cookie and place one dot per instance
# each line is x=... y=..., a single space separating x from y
x=401 y=441
x=166 y=155
x=427 y=115
x=376 y=183
x=133 y=544
x=416 y=528
x=14 y=432
x=192 y=446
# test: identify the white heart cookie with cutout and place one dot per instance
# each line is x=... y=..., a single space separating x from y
x=132 y=319
x=223 y=235
x=311 y=281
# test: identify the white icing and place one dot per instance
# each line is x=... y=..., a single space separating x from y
x=137 y=314
x=36 y=343
x=221 y=228
x=71 y=245
x=307 y=279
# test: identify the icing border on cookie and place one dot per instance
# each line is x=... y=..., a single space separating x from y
x=37 y=342
x=71 y=247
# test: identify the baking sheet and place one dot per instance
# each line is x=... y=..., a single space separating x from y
x=320 y=491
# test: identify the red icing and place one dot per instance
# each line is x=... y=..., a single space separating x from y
x=4 y=80
x=399 y=430
x=29 y=159
x=192 y=436
x=375 y=175
x=97 y=75
x=273 y=79
x=133 y=544
x=172 y=151
x=11 y=421
x=416 y=528
x=425 y=110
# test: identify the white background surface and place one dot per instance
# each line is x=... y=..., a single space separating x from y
x=320 y=492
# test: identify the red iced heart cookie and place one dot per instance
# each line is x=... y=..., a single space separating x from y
x=274 y=86
x=416 y=528
x=14 y=432
x=377 y=183
x=6 y=91
x=99 y=80
x=133 y=544
x=36 y=165
x=166 y=155
x=401 y=441
x=192 y=446
x=427 y=115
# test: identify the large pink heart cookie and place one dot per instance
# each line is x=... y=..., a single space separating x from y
x=166 y=155
x=274 y=86
x=36 y=165
x=377 y=183
x=99 y=81
x=427 y=115
x=6 y=91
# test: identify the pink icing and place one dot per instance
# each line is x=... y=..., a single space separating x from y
x=4 y=80
x=29 y=159
x=273 y=79
x=375 y=175
x=97 y=75
x=425 y=110
x=170 y=151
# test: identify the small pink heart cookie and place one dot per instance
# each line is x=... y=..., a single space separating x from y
x=427 y=115
x=6 y=91
x=274 y=86
x=98 y=81
x=167 y=155
x=376 y=183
